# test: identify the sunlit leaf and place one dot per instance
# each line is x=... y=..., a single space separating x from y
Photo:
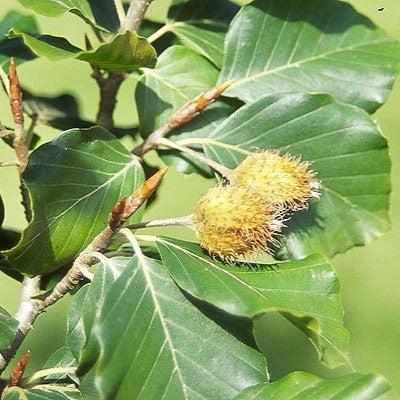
x=8 y=329
x=57 y=8
x=304 y=386
x=202 y=25
x=145 y=340
x=276 y=46
x=306 y=292
x=179 y=76
x=74 y=182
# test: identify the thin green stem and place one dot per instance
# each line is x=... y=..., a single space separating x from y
x=221 y=169
x=161 y=32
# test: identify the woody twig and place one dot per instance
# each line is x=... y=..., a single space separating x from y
x=119 y=215
x=185 y=114
x=28 y=308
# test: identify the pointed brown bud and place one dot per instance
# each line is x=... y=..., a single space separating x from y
x=127 y=206
x=18 y=372
x=15 y=94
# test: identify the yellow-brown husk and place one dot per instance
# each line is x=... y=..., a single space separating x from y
x=282 y=179
x=235 y=222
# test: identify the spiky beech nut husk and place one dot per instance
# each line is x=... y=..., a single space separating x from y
x=232 y=223
x=284 y=179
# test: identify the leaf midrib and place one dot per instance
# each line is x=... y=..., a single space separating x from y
x=144 y=267
x=105 y=184
x=305 y=61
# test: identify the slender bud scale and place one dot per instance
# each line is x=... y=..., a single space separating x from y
x=235 y=222
x=284 y=179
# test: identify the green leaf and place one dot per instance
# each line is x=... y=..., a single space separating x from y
x=43 y=392
x=74 y=182
x=60 y=359
x=150 y=342
x=98 y=13
x=343 y=145
x=306 y=292
x=87 y=303
x=126 y=52
x=8 y=329
x=15 y=47
x=325 y=46
x=180 y=75
x=57 y=8
x=202 y=25
x=304 y=386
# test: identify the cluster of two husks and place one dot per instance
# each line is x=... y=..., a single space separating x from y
x=234 y=221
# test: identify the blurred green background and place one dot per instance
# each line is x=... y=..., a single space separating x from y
x=370 y=276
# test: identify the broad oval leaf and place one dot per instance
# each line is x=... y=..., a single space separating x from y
x=344 y=146
x=60 y=361
x=179 y=76
x=149 y=342
x=278 y=46
x=16 y=48
x=8 y=329
x=304 y=386
x=306 y=292
x=87 y=303
x=43 y=392
x=74 y=182
x=126 y=52
x=201 y=25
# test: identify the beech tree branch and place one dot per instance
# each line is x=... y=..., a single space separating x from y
x=109 y=88
x=119 y=215
x=135 y=15
x=28 y=309
x=185 y=114
x=20 y=137
x=26 y=316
